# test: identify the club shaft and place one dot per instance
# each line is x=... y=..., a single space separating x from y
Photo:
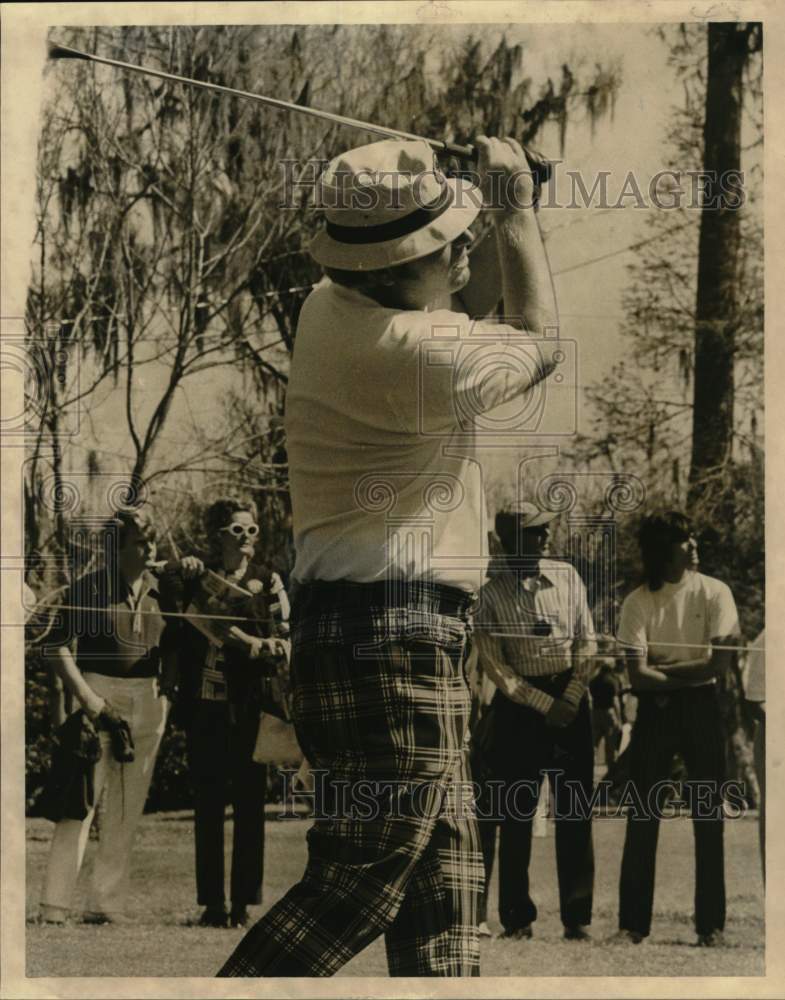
x=66 y=52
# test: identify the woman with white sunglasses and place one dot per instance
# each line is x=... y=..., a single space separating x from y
x=219 y=697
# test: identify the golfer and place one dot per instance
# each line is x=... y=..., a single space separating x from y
x=387 y=380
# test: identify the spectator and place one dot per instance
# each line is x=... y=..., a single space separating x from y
x=534 y=631
x=113 y=617
x=220 y=690
x=674 y=628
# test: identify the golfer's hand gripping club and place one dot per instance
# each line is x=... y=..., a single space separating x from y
x=541 y=168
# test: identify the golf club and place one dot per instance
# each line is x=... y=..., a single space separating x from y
x=540 y=167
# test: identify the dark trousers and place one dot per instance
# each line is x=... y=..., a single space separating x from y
x=524 y=750
x=221 y=741
x=686 y=722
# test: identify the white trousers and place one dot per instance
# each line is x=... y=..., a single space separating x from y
x=126 y=787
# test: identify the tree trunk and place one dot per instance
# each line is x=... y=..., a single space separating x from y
x=716 y=308
x=711 y=486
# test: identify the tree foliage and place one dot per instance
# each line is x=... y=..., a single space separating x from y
x=643 y=412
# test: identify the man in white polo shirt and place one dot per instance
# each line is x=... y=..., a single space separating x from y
x=535 y=636
x=674 y=627
x=391 y=545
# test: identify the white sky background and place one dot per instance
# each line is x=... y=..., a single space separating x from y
x=588 y=298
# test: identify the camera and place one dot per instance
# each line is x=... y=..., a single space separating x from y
x=120 y=738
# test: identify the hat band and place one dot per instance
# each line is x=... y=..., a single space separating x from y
x=385 y=231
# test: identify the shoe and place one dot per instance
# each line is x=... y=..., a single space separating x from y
x=239 y=917
x=517 y=933
x=213 y=917
x=51 y=916
x=576 y=933
x=41 y=921
x=484 y=930
x=714 y=939
x=624 y=936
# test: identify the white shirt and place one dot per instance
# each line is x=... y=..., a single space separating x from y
x=380 y=438
x=681 y=616
x=28 y=600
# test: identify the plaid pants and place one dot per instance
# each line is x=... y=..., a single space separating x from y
x=381 y=708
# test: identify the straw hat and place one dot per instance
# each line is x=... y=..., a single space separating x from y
x=388 y=203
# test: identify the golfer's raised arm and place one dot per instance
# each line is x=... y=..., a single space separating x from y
x=514 y=266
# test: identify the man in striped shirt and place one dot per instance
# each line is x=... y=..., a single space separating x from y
x=534 y=634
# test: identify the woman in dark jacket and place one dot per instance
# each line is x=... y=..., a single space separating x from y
x=222 y=677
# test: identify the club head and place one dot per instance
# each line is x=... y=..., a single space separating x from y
x=63 y=52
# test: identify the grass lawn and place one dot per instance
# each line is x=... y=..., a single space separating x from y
x=155 y=941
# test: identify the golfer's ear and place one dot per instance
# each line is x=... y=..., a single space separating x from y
x=385 y=277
